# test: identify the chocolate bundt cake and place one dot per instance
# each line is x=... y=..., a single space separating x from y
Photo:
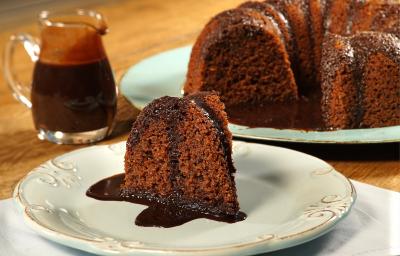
x=179 y=153
x=287 y=51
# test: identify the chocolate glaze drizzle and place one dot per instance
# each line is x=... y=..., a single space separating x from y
x=173 y=152
x=358 y=80
x=218 y=126
x=157 y=214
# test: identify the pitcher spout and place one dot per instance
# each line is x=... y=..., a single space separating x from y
x=98 y=21
x=81 y=17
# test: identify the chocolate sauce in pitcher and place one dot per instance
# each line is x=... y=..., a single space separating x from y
x=73 y=98
x=73 y=88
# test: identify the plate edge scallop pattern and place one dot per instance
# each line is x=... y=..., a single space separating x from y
x=67 y=175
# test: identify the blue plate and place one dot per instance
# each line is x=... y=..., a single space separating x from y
x=164 y=74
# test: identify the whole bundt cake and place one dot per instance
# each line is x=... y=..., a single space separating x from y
x=290 y=51
x=179 y=153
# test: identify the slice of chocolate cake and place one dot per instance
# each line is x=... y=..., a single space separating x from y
x=179 y=155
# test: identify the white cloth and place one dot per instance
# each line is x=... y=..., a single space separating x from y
x=371 y=228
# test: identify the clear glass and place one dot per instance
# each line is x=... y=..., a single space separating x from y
x=73 y=92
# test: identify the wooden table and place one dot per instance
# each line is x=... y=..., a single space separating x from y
x=139 y=29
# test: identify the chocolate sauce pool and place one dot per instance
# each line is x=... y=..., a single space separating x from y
x=304 y=114
x=157 y=214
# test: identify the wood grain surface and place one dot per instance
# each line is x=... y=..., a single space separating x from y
x=139 y=29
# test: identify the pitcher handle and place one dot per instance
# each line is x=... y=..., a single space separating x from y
x=31 y=45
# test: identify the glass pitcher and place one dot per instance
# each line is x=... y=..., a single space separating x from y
x=73 y=92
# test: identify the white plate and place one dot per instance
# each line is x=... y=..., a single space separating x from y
x=289 y=197
x=164 y=74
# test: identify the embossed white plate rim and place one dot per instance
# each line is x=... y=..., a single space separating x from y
x=91 y=246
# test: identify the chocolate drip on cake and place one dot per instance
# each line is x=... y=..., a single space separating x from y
x=312 y=36
x=294 y=60
x=218 y=126
x=167 y=110
x=358 y=72
x=158 y=110
x=173 y=152
x=266 y=10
